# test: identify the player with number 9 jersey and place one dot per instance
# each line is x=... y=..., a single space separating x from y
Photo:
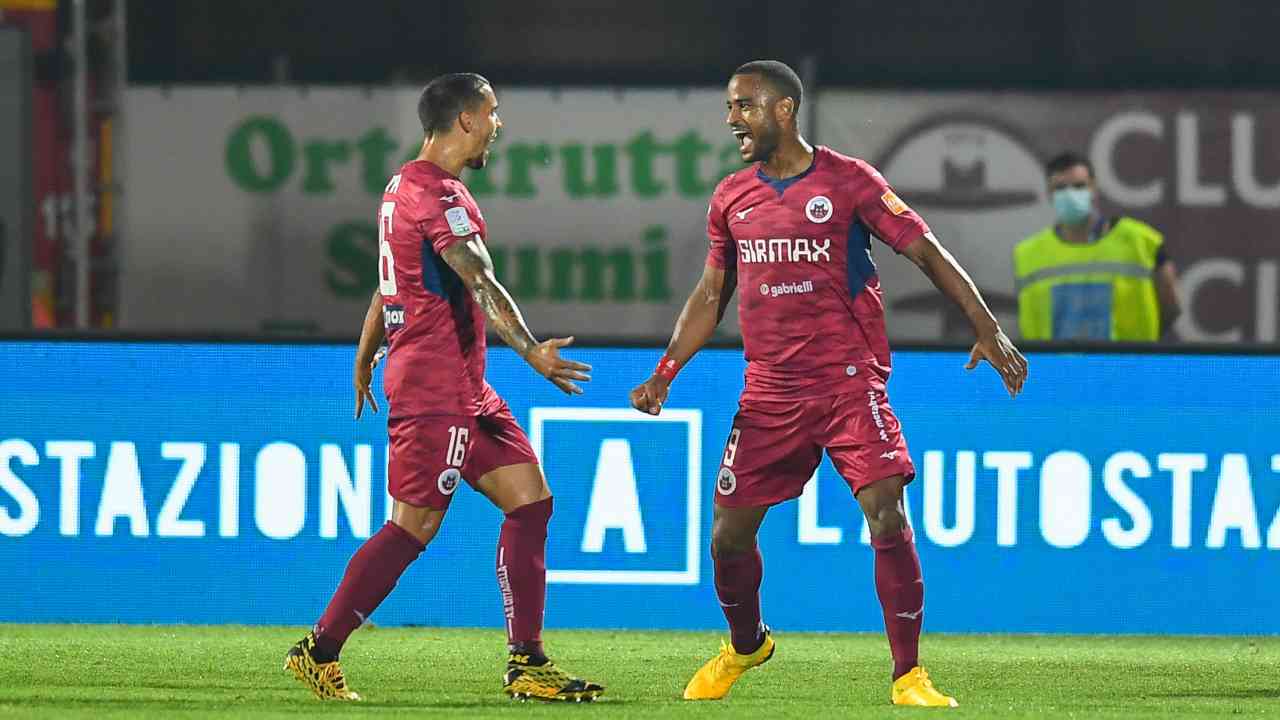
x=795 y=230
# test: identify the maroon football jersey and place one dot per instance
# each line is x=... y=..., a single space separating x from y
x=435 y=330
x=809 y=300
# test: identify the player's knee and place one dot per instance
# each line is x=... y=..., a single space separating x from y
x=422 y=523
x=886 y=520
x=536 y=510
x=422 y=533
x=514 y=486
x=727 y=540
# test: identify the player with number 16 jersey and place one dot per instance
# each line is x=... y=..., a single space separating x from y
x=446 y=422
x=436 y=290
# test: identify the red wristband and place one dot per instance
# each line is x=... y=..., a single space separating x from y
x=667 y=368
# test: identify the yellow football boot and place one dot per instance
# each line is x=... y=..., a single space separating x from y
x=538 y=678
x=713 y=680
x=915 y=688
x=323 y=679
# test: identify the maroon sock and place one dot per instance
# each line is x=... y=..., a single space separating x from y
x=371 y=574
x=522 y=574
x=738 y=578
x=901 y=589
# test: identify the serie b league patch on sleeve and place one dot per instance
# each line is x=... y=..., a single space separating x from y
x=893 y=202
x=459 y=222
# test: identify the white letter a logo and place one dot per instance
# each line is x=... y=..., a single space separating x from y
x=614 y=500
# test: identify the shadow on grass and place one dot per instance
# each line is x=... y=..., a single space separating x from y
x=172 y=686
x=292 y=704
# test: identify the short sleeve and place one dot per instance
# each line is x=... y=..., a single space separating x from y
x=881 y=210
x=721 y=252
x=452 y=222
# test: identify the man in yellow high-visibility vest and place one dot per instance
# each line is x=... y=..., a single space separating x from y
x=1090 y=277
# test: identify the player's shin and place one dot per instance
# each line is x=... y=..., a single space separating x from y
x=738 y=577
x=522 y=575
x=900 y=586
x=370 y=577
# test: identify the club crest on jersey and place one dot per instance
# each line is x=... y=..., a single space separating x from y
x=448 y=481
x=726 y=481
x=818 y=209
x=459 y=222
x=393 y=316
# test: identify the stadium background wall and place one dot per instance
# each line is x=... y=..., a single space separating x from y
x=156 y=482
x=598 y=226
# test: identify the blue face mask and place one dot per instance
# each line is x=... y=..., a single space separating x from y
x=1072 y=205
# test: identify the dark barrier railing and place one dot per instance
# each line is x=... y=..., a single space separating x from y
x=1111 y=348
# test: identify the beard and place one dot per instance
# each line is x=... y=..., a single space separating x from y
x=479 y=161
x=763 y=145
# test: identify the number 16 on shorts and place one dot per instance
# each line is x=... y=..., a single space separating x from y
x=456 y=454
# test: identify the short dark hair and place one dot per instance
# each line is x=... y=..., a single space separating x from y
x=446 y=96
x=778 y=74
x=1066 y=161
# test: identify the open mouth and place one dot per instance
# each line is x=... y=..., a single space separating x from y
x=744 y=138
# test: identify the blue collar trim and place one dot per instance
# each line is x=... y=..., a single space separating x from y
x=780 y=186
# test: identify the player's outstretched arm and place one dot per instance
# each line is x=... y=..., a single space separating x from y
x=371 y=334
x=471 y=262
x=992 y=345
x=697 y=322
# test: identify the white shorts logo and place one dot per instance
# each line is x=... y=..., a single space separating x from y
x=459 y=222
x=873 y=402
x=818 y=209
x=726 y=481
x=448 y=481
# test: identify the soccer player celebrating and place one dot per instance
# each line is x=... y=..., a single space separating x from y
x=446 y=424
x=795 y=230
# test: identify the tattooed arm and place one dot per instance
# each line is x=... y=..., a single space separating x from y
x=471 y=262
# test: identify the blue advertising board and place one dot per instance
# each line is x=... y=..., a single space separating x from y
x=228 y=483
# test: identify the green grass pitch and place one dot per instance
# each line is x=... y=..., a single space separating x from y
x=178 y=671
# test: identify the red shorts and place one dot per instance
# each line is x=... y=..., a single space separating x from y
x=432 y=454
x=775 y=446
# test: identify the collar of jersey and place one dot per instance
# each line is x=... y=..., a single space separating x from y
x=434 y=169
x=780 y=186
